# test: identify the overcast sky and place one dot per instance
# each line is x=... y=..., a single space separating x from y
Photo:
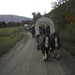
x=24 y=7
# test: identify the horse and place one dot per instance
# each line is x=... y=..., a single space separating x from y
x=55 y=46
x=33 y=33
x=44 y=45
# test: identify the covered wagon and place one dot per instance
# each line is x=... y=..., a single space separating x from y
x=44 y=28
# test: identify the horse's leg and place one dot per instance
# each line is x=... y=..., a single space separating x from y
x=53 y=53
x=58 y=55
x=43 y=52
x=45 y=55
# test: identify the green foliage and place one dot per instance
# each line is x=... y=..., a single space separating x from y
x=7 y=42
x=26 y=22
x=15 y=24
x=2 y=24
x=66 y=30
x=36 y=16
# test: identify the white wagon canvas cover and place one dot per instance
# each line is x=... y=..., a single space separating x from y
x=45 y=21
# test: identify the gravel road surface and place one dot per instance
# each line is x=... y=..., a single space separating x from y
x=25 y=59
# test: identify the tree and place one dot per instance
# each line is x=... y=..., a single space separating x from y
x=26 y=22
x=2 y=24
x=11 y=24
x=54 y=5
x=35 y=16
x=58 y=3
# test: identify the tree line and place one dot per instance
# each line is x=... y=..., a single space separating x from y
x=15 y=24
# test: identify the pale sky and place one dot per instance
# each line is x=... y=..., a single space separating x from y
x=24 y=7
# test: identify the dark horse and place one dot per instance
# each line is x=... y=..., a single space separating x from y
x=33 y=32
x=44 y=44
x=55 y=45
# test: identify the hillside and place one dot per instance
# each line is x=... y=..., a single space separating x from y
x=12 y=18
x=65 y=28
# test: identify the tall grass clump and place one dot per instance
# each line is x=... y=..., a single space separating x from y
x=68 y=38
x=7 y=42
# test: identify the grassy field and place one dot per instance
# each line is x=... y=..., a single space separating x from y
x=9 y=37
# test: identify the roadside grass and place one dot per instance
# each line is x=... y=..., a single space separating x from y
x=70 y=47
x=68 y=41
x=7 y=42
x=9 y=29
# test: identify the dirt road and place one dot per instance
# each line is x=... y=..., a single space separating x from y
x=25 y=59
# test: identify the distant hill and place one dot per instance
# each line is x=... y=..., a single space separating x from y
x=12 y=18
